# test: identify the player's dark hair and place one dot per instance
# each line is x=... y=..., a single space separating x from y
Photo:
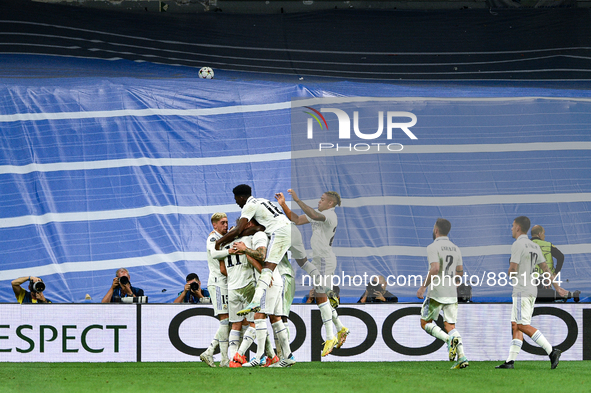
x=191 y=276
x=523 y=222
x=242 y=190
x=443 y=225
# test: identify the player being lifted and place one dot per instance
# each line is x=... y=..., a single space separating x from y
x=324 y=262
x=445 y=264
x=283 y=236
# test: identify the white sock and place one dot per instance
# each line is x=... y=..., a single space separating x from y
x=247 y=340
x=214 y=343
x=269 y=351
x=264 y=281
x=455 y=333
x=313 y=272
x=280 y=332
x=436 y=331
x=234 y=343
x=336 y=320
x=326 y=315
x=277 y=346
x=514 y=350
x=261 y=334
x=223 y=337
x=539 y=338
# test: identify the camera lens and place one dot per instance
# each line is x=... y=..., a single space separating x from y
x=39 y=286
x=194 y=286
x=123 y=280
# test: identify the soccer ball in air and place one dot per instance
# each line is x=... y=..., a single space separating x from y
x=206 y=73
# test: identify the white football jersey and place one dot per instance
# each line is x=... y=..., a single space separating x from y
x=449 y=257
x=266 y=213
x=323 y=234
x=527 y=254
x=240 y=271
x=215 y=275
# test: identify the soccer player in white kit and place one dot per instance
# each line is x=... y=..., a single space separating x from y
x=217 y=285
x=445 y=264
x=324 y=262
x=283 y=236
x=240 y=268
x=525 y=255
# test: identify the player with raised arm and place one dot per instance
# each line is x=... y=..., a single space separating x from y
x=283 y=236
x=217 y=285
x=324 y=262
x=445 y=265
x=525 y=255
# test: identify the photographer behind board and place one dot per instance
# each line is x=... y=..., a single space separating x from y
x=36 y=288
x=376 y=292
x=193 y=292
x=121 y=288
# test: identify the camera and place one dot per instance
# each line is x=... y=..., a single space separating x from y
x=194 y=286
x=123 y=280
x=38 y=286
x=373 y=287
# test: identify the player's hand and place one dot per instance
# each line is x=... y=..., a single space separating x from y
x=421 y=292
x=293 y=194
x=218 y=245
x=239 y=247
x=280 y=198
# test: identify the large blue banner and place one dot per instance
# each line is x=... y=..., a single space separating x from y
x=102 y=173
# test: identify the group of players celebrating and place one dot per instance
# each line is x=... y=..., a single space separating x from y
x=251 y=278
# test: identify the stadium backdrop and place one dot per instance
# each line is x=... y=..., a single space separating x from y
x=99 y=173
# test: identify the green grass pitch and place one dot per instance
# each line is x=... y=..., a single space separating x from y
x=337 y=377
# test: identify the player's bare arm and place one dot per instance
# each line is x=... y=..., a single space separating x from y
x=433 y=271
x=232 y=234
x=223 y=269
x=258 y=254
x=298 y=220
x=313 y=214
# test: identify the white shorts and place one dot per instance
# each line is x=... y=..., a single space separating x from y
x=272 y=300
x=288 y=293
x=238 y=299
x=282 y=240
x=431 y=309
x=523 y=309
x=298 y=251
x=326 y=267
x=219 y=299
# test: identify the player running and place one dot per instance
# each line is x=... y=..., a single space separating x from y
x=445 y=264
